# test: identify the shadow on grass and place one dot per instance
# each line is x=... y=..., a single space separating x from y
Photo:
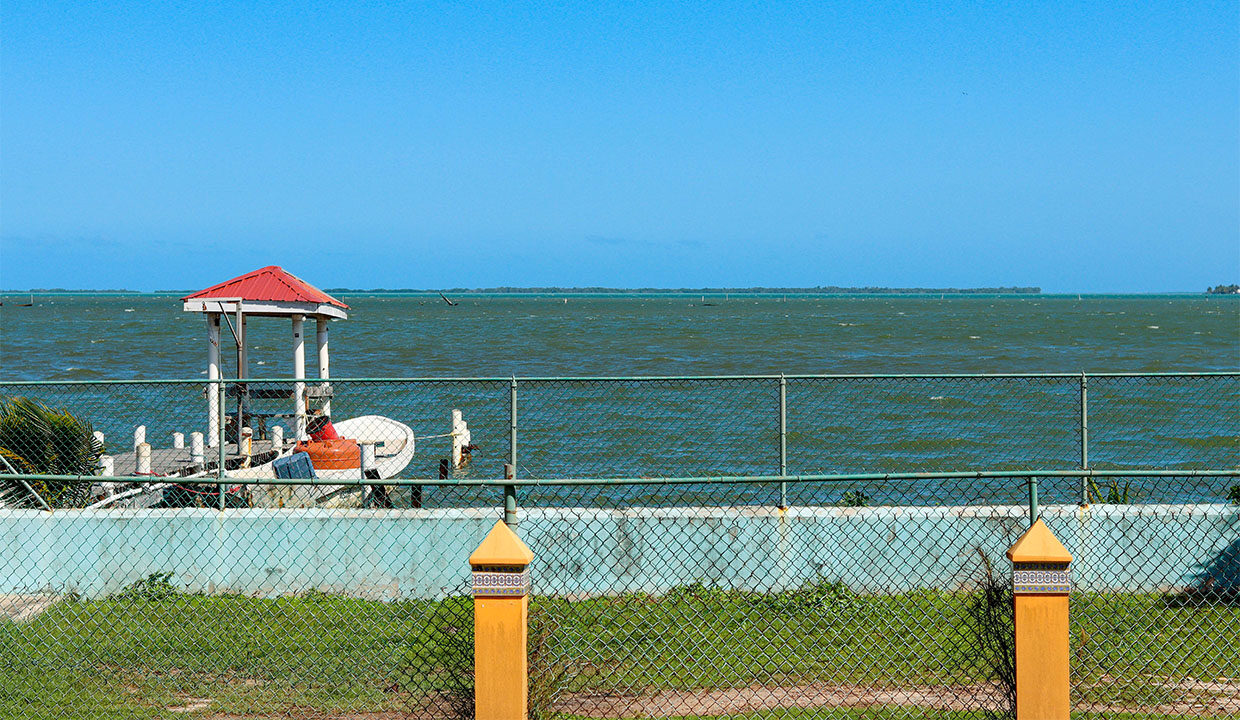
x=1218 y=583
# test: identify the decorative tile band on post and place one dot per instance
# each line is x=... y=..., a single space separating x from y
x=501 y=613
x=1041 y=582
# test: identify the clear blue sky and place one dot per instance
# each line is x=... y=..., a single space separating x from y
x=1076 y=146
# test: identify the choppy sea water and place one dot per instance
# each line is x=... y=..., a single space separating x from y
x=686 y=428
x=110 y=337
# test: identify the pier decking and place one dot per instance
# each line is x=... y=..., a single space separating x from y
x=177 y=462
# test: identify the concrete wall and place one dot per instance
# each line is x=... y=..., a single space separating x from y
x=583 y=551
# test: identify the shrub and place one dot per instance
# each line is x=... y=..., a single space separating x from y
x=1115 y=493
x=156 y=586
x=821 y=597
x=855 y=498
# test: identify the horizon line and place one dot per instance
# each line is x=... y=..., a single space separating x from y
x=600 y=290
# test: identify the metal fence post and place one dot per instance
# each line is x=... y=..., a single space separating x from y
x=510 y=468
x=220 y=469
x=1084 y=437
x=510 y=497
x=1034 y=511
x=783 y=441
x=512 y=424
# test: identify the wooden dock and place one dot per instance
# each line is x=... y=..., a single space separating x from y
x=176 y=462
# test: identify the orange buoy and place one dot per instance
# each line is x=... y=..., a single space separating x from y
x=334 y=454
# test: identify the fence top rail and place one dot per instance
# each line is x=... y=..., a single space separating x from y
x=699 y=480
x=631 y=378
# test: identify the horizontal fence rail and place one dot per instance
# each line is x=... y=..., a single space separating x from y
x=710 y=479
x=744 y=547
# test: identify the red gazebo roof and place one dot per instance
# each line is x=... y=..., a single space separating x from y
x=272 y=288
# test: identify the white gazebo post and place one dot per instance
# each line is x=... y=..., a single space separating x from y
x=213 y=373
x=299 y=374
x=243 y=365
x=324 y=373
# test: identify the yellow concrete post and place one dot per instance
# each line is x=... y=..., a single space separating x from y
x=1040 y=584
x=501 y=610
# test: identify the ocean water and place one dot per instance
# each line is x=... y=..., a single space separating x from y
x=692 y=428
x=130 y=337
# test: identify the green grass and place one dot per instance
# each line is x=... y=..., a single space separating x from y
x=139 y=656
x=151 y=648
x=701 y=637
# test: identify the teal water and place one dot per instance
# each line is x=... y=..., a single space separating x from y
x=123 y=337
x=708 y=427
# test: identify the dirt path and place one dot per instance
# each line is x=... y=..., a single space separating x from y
x=1211 y=699
x=729 y=701
x=20 y=608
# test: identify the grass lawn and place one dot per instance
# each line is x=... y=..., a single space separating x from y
x=143 y=652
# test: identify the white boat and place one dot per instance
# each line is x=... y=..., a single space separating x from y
x=394 y=447
x=393 y=441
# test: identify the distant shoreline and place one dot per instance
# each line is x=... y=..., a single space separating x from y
x=644 y=292
x=757 y=290
x=821 y=290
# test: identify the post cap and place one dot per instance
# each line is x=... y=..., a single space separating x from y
x=501 y=547
x=1039 y=545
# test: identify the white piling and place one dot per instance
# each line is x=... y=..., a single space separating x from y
x=213 y=373
x=247 y=441
x=178 y=440
x=99 y=441
x=144 y=459
x=196 y=454
x=368 y=458
x=277 y=438
x=107 y=466
x=139 y=436
x=324 y=369
x=460 y=438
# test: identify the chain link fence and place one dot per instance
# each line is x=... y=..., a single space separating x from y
x=685 y=565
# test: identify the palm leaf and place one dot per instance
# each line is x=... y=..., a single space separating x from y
x=38 y=440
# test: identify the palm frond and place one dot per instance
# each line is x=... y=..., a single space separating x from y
x=38 y=440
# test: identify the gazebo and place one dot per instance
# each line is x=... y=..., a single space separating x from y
x=267 y=292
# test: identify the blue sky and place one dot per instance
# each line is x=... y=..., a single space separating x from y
x=1082 y=147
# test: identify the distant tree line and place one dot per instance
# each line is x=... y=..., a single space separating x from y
x=1223 y=290
x=70 y=290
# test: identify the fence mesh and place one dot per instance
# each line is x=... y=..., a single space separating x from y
x=1155 y=609
x=668 y=609
x=676 y=597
